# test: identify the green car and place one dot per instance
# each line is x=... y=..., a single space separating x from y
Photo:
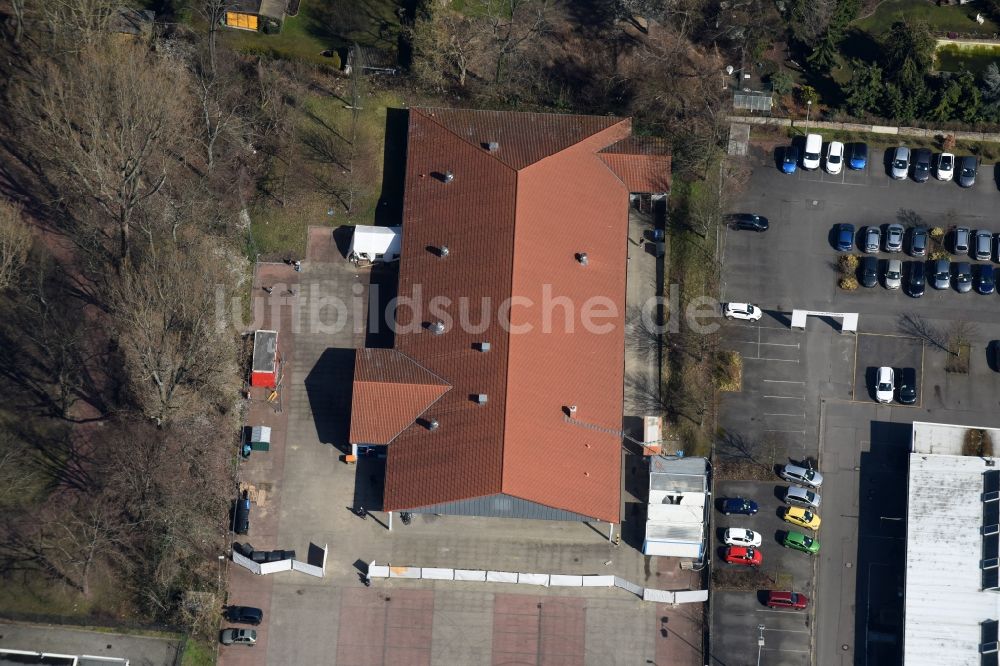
x=801 y=542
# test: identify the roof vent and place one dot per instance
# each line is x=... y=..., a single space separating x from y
x=572 y=409
x=493 y=146
x=433 y=424
x=484 y=346
x=443 y=251
x=448 y=176
x=582 y=258
x=479 y=398
x=437 y=328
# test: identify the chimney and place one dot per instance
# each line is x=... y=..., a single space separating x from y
x=437 y=328
x=448 y=176
x=582 y=258
x=572 y=410
x=480 y=398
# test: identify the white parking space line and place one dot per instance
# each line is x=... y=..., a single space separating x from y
x=767 y=649
x=782 y=381
x=787 y=397
x=800 y=432
x=765 y=358
x=779 y=344
x=798 y=416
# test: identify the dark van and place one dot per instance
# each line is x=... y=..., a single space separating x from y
x=241 y=516
x=245 y=615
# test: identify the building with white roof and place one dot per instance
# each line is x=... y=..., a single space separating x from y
x=675 y=519
x=952 y=601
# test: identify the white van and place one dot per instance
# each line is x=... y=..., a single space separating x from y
x=814 y=148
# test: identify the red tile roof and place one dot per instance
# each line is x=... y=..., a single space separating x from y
x=513 y=218
x=390 y=391
x=643 y=164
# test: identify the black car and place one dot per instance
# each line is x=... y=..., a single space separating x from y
x=966 y=171
x=907 y=385
x=869 y=271
x=749 y=222
x=245 y=615
x=241 y=515
x=986 y=282
x=921 y=165
x=917 y=280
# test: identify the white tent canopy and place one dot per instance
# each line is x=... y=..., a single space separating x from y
x=371 y=244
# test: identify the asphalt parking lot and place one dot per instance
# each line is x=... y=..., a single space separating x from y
x=809 y=394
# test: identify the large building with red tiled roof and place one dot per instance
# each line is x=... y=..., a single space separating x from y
x=503 y=393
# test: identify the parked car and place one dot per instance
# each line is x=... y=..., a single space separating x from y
x=869 y=271
x=802 y=497
x=983 y=245
x=963 y=277
x=796 y=515
x=900 y=163
x=942 y=274
x=241 y=516
x=873 y=239
x=739 y=505
x=922 y=165
x=244 y=615
x=908 y=386
x=859 y=156
x=986 y=282
x=916 y=280
x=894 y=238
x=790 y=159
x=749 y=222
x=814 y=147
x=993 y=355
x=918 y=241
x=791 y=600
x=960 y=242
x=804 y=476
x=894 y=274
x=737 y=536
x=885 y=384
x=747 y=557
x=966 y=167
x=233 y=636
x=834 y=157
x=845 y=237
x=799 y=541
x=745 y=311
x=945 y=166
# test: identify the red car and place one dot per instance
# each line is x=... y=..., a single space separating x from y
x=748 y=557
x=793 y=600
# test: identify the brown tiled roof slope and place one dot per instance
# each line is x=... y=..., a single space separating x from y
x=513 y=219
x=390 y=392
x=643 y=163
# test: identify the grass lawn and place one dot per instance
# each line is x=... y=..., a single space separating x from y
x=955 y=58
x=198 y=652
x=953 y=18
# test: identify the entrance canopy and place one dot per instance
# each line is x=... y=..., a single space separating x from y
x=848 y=320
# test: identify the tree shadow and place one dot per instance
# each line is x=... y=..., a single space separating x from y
x=365 y=22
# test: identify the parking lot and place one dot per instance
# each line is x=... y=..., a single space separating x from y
x=808 y=394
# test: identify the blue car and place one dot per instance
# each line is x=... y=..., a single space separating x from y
x=845 y=237
x=986 y=283
x=790 y=162
x=739 y=505
x=859 y=156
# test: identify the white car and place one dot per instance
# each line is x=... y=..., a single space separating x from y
x=834 y=157
x=746 y=311
x=737 y=536
x=811 y=155
x=945 y=166
x=885 y=385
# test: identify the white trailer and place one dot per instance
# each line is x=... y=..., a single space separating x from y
x=372 y=244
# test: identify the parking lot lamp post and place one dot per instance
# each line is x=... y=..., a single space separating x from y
x=809 y=107
x=760 y=642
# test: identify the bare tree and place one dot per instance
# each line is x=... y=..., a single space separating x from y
x=918 y=327
x=15 y=242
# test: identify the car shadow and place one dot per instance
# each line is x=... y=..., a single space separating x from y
x=887 y=161
x=779 y=493
x=871 y=373
x=993 y=355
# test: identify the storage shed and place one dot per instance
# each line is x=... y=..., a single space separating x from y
x=265 y=358
x=254 y=15
x=371 y=244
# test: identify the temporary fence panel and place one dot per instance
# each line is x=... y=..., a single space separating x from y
x=501 y=577
x=563 y=580
x=628 y=585
x=690 y=596
x=305 y=568
x=246 y=563
x=378 y=571
x=661 y=596
x=404 y=572
x=433 y=573
x=533 y=579
x=470 y=574
x=598 y=581
x=275 y=567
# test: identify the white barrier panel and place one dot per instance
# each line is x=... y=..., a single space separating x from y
x=306 y=568
x=658 y=595
x=598 y=581
x=533 y=579
x=501 y=577
x=432 y=573
x=246 y=563
x=690 y=596
x=404 y=572
x=470 y=574
x=566 y=581
x=628 y=585
x=275 y=567
x=378 y=571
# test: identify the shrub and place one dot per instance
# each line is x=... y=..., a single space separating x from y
x=977 y=443
x=848 y=283
x=729 y=371
x=938 y=254
x=848 y=264
x=937 y=233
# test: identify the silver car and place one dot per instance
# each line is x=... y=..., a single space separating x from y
x=804 y=476
x=873 y=239
x=984 y=245
x=900 y=163
x=894 y=238
x=962 y=235
x=894 y=274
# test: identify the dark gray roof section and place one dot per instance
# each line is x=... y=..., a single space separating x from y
x=501 y=506
x=265 y=350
